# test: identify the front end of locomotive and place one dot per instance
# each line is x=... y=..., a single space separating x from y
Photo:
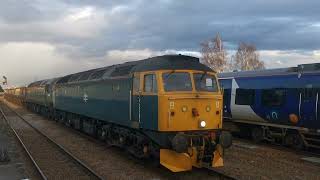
x=190 y=109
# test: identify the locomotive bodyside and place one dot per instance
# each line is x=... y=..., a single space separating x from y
x=93 y=99
x=36 y=94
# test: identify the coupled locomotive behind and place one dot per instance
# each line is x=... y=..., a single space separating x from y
x=166 y=107
x=16 y=95
x=275 y=105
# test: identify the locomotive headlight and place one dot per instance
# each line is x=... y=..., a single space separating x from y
x=203 y=123
x=184 y=109
x=208 y=108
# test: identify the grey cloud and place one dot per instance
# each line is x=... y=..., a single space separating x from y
x=16 y=11
x=26 y=11
x=161 y=25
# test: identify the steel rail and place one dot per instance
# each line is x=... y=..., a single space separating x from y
x=23 y=145
x=59 y=146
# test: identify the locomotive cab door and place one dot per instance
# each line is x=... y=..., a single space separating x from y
x=309 y=107
x=135 y=101
x=144 y=101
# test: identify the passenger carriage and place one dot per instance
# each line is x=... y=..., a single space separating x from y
x=277 y=104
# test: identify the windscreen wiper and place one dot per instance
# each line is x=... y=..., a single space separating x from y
x=205 y=73
x=168 y=75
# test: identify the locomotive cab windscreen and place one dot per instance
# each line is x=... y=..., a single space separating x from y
x=190 y=100
x=182 y=81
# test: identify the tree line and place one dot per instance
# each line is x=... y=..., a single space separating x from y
x=216 y=57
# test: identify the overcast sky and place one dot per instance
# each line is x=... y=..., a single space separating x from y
x=44 y=38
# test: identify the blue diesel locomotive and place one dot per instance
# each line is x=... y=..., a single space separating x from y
x=275 y=105
x=167 y=107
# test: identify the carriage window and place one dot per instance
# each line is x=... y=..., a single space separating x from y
x=245 y=96
x=273 y=97
x=150 y=83
x=205 y=82
x=177 y=81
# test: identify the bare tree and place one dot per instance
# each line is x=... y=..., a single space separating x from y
x=213 y=54
x=247 y=58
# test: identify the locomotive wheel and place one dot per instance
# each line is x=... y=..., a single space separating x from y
x=257 y=134
x=294 y=140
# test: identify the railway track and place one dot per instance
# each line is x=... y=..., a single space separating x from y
x=51 y=160
x=241 y=163
x=208 y=173
x=305 y=152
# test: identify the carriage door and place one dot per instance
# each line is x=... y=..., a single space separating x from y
x=309 y=107
x=226 y=84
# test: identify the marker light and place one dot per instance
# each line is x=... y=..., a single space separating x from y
x=208 y=108
x=184 y=108
x=203 y=124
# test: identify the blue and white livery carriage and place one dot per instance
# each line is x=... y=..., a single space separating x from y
x=277 y=104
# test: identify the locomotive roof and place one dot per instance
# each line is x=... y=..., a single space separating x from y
x=302 y=68
x=36 y=83
x=43 y=82
x=165 y=62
